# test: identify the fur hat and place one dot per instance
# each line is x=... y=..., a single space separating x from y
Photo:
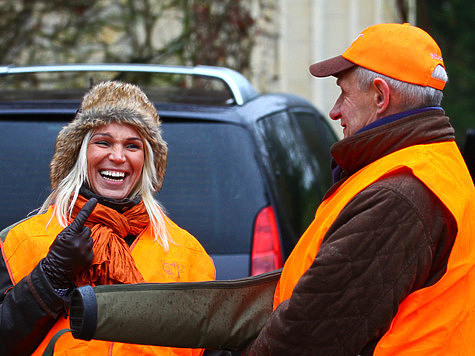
x=105 y=103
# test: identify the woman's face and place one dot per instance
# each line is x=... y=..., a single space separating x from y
x=115 y=157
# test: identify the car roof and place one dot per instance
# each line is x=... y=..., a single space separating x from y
x=251 y=111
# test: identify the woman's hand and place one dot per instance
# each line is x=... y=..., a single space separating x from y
x=71 y=251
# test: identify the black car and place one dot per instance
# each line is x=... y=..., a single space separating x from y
x=245 y=171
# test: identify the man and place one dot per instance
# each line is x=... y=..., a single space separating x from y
x=387 y=266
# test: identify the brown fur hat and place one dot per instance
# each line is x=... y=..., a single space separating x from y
x=109 y=102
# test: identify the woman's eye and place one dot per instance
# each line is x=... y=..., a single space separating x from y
x=102 y=143
x=133 y=146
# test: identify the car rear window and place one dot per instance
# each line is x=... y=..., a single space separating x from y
x=26 y=149
x=212 y=186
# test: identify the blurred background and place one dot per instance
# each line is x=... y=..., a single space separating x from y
x=271 y=42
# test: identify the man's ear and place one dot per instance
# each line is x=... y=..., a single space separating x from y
x=381 y=95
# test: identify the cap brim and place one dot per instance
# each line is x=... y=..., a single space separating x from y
x=330 y=66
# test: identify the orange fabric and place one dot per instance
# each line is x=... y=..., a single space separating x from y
x=410 y=54
x=438 y=320
x=112 y=262
x=186 y=261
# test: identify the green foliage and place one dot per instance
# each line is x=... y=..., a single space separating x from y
x=451 y=23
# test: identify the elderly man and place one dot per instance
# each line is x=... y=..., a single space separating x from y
x=387 y=266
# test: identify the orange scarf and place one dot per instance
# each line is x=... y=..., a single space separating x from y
x=112 y=262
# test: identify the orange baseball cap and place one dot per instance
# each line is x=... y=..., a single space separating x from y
x=400 y=51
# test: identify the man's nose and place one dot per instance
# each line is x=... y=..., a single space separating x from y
x=335 y=112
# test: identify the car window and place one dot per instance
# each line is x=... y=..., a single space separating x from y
x=26 y=149
x=212 y=186
x=318 y=137
x=298 y=164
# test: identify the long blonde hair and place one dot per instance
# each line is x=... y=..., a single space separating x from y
x=64 y=196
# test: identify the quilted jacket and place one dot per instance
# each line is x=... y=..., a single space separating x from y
x=347 y=299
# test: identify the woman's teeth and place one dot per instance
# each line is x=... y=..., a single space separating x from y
x=112 y=175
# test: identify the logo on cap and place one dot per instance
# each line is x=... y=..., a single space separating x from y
x=360 y=35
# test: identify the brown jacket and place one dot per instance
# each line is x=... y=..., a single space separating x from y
x=392 y=238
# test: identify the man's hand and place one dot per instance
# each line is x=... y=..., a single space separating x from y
x=71 y=251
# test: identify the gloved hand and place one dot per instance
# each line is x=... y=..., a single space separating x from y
x=71 y=250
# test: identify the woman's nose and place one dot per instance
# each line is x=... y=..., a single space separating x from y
x=117 y=154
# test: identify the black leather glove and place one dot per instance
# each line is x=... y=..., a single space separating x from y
x=71 y=250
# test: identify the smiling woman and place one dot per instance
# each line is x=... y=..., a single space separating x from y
x=115 y=157
x=100 y=225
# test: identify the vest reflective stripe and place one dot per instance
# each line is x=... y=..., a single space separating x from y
x=436 y=320
x=28 y=242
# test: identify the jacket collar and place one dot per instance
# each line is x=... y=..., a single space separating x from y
x=397 y=116
x=357 y=151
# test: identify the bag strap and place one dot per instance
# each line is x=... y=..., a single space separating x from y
x=49 y=350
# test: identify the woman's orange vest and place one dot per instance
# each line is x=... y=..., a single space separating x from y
x=437 y=320
x=186 y=261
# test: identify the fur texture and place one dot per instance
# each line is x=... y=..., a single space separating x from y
x=109 y=102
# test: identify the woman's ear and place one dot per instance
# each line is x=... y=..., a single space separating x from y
x=381 y=95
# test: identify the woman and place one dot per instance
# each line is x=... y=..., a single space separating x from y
x=108 y=162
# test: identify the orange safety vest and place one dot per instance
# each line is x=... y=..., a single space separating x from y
x=186 y=261
x=437 y=320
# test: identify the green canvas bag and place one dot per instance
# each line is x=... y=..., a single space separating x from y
x=220 y=315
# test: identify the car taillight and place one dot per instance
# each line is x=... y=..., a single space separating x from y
x=266 y=250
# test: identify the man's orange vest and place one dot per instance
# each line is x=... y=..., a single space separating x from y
x=186 y=261
x=437 y=320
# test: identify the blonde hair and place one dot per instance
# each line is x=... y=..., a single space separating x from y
x=64 y=196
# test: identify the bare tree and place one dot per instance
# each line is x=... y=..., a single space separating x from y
x=45 y=31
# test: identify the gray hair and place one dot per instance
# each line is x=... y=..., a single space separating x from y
x=413 y=96
x=65 y=195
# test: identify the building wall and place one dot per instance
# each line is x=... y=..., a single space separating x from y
x=301 y=32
